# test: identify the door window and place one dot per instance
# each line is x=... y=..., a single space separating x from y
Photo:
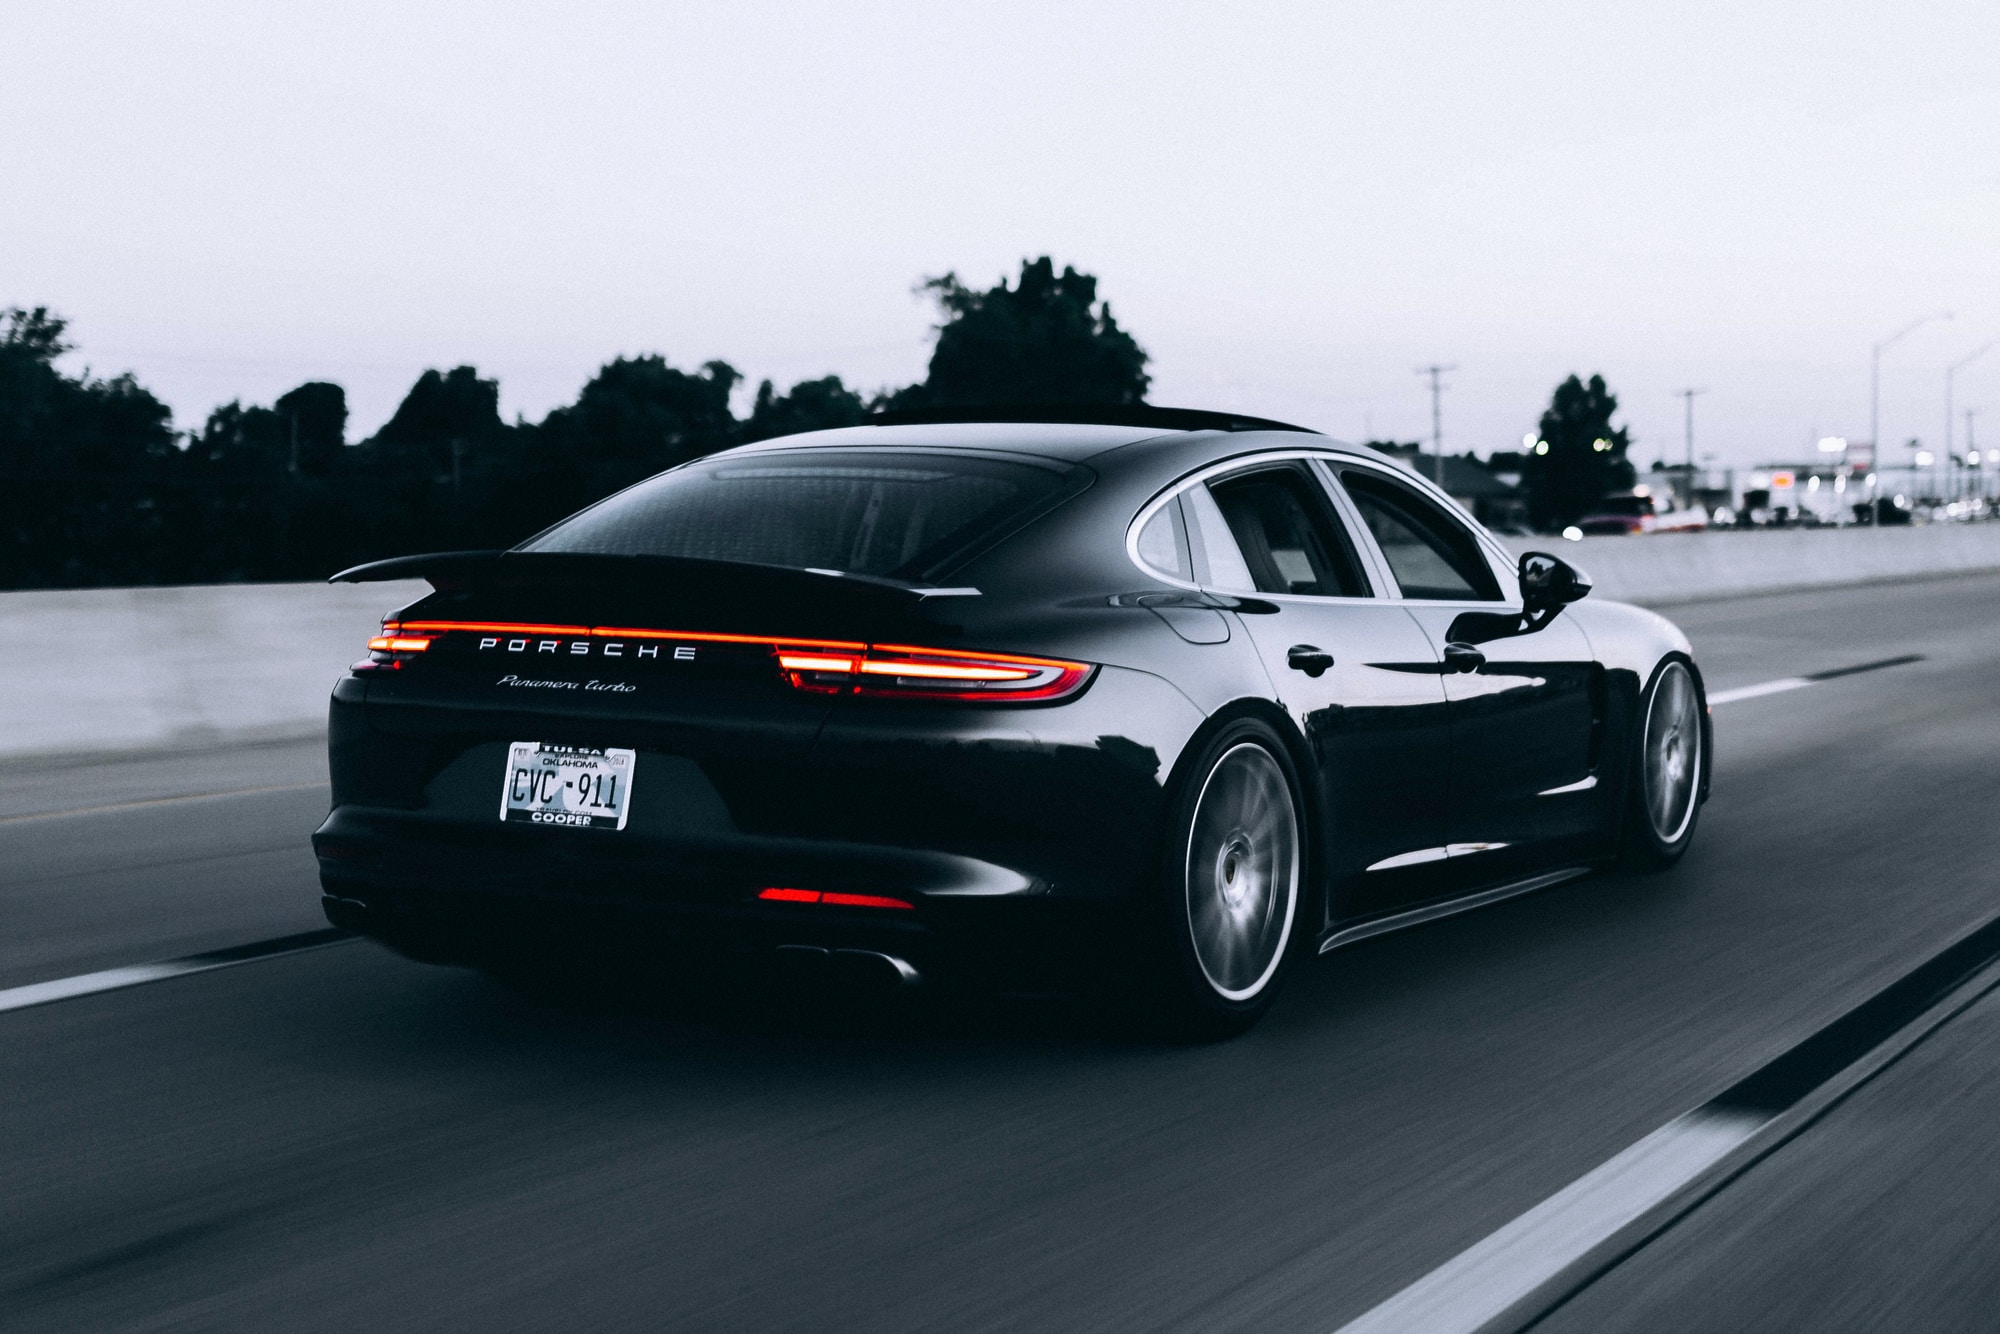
x=1289 y=539
x=1432 y=555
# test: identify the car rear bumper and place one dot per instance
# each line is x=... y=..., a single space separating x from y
x=475 y=894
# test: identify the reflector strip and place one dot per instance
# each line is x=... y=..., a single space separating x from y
x=864 y=901
x=835 y=900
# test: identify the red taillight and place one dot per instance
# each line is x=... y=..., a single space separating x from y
x=392 y=648
x=827 y=666
x=836 y=900
x=907 y=672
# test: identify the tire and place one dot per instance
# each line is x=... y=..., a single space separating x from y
x=1669 y=760
x=1231 y=882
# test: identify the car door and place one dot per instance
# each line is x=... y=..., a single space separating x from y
x=1524 y=695
x=1353 y=669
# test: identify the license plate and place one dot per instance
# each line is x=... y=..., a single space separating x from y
x=579 y=787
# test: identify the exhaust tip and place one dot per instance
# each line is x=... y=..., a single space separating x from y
x=867 y=967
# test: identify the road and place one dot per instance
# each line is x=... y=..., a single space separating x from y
x=339 y=1139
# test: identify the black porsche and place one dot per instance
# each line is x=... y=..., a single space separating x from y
x=1167 y=696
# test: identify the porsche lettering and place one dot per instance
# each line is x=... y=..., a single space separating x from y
x=583 y=648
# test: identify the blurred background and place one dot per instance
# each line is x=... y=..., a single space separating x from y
x=384 y=279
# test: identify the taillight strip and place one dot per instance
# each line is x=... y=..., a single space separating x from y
x=710 y=637
x=495 y=627
x=908 y=671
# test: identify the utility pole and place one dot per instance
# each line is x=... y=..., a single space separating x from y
x=1437 y=419
x=1689 y=396
x=1875 y=379
x=1951 y=371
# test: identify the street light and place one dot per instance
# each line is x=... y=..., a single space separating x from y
x=1875 y=377
x=1951 y=371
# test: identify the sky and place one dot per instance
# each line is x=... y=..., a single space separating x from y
x=1293 y=206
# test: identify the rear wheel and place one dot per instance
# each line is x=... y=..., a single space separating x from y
x=1668 y=754
x=1231 y=885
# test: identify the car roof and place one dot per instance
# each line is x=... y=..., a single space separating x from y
x=1069 y=441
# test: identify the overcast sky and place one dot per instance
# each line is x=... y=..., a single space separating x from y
x=1292 y=205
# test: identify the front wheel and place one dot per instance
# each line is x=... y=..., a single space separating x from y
x=1668 y=754
x=1232 y=875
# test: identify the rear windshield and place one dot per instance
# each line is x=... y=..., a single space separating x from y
x=857 y=511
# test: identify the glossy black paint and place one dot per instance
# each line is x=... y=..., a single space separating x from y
x=1019 y=831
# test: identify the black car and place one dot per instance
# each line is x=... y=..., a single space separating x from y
x=1165 y=697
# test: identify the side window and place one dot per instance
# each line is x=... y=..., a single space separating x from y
x=1432 y=555
x=1215 y=545
x=1163 y=544
x=1287 y=534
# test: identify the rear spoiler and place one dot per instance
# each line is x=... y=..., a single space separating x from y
x=448 y=571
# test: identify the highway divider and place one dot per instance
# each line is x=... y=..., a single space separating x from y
x=89 y=671
x=1659 y=569
x=112 y=670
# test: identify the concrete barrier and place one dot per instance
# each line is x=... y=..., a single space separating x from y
x=134 y=669
x=121 y=669
x=1663 y=568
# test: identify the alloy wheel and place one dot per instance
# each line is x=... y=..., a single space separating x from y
x=1242 y=871
x=1671 y=761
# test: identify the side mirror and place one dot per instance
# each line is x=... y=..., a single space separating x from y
x=1550 y=583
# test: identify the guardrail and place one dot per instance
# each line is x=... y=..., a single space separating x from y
x=160 y=669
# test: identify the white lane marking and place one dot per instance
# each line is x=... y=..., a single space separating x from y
x=1776 y=687
x=1515 y=1276
x=1468 y=1291
x=156 y=801
x=133 y=975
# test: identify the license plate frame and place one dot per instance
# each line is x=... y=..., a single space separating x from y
x=556 y=786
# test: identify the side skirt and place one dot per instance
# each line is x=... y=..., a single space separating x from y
x=1337 y=936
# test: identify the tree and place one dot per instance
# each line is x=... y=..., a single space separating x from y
x=1045 y=340
x=1578 y=456
x=315 y=417
x=809 y=405
x=86 y=466
x=636 y=417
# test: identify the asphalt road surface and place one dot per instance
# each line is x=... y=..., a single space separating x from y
x=339 y=1139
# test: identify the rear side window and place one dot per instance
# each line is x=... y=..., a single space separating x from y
x=1163 y=543
x=1287 y=534
x=1432 y=555
x=855 y=511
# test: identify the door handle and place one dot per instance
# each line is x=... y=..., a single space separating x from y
x=1308 y=659
x=1459 y=657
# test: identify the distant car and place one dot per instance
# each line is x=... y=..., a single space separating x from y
x=1627 y=512
x=1170 y=698
x=1692 y=519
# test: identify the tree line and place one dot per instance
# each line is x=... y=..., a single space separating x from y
x=98 y=488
